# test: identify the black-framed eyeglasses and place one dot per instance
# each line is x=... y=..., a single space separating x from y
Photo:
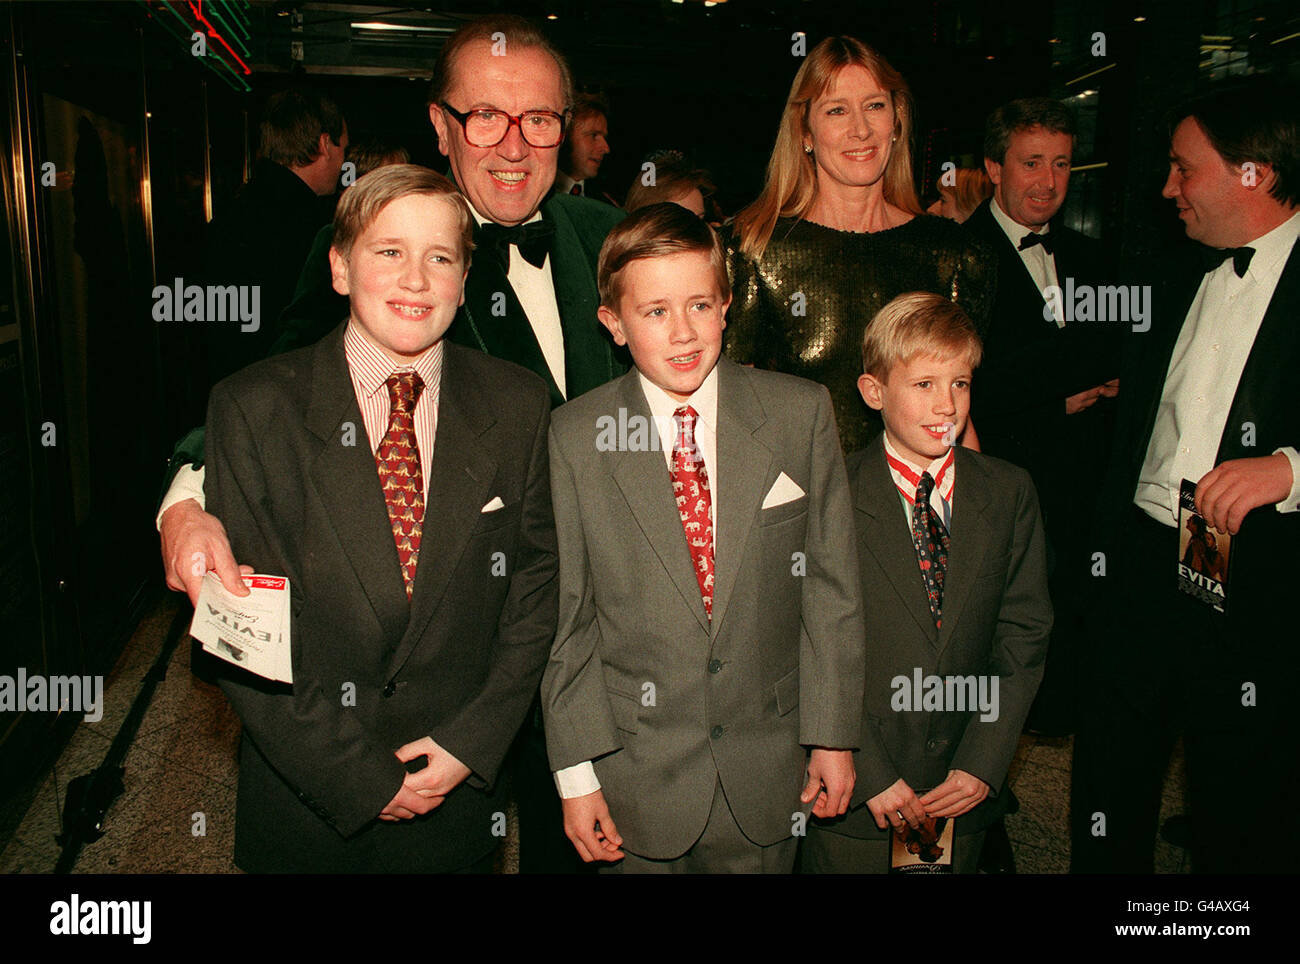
x=485 y=127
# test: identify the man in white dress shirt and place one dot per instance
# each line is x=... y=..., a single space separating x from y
x=1207 y=399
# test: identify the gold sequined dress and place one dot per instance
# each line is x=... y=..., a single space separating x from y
x=802 y=308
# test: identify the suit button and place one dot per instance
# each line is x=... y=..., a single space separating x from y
x=390 y=689
x=716 y=733
x=715 y=665
x=932 y=745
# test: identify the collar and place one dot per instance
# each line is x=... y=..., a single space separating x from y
x=1272 y=249
x=907 y=474
x=1014 y=230
x=564 y=183
x=663 y=405
x=370 y=367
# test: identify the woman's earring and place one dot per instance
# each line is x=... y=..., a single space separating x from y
x=807 y=148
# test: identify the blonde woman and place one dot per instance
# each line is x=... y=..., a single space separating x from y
x=838 y=232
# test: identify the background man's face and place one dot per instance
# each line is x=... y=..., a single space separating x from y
x=1205 y=188
x=506 y=183
x=1030 y=183
x=588 y=145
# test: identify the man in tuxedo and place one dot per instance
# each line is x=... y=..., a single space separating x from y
x=1036 y=402
x=1207 y=399
x=530 y=296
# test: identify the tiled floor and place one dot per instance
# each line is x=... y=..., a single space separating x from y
x=177 y=812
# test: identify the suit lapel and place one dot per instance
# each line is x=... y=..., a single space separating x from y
x=644 y=480
x=888 y=538
x=1263 y=376
x=588 y=361
x=347 y=481
x=479 y=323
x=460 y=481
x=970 y=540
x=746 y=470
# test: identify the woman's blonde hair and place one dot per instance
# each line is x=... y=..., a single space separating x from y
x=791 y=185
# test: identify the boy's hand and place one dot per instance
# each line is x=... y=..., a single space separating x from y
x=1233 y=488
x=896 y=805
x=830 y=782
x=425 y=789
x=407 y=804
x=589 y=826
x=958 y=794
x=194 y=542
x=441 y=775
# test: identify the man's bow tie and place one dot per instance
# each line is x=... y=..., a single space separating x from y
x=1033 y=238
x=533 y=241
x=1213 y=257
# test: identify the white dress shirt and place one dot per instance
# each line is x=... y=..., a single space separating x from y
x=1204 y=371
x=1040 y=265
x=580 y=779
x=370 y=368
x=535 y=289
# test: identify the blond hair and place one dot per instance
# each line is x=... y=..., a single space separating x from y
x=654 y=232
x=360 y=204
x=918 y=323
x=791 y=184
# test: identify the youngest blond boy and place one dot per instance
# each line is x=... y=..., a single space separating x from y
x=951 y=553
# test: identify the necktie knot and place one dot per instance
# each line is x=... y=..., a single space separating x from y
x=1240 y=259
x=404 y=390
x=1035 y=237
x=924 y=487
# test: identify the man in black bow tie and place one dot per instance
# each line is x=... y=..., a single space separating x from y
x=1042 y=398
x=1208 y=397
x=500 y=103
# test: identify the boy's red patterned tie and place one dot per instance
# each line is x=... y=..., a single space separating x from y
x=398 y=459
x=694 y=502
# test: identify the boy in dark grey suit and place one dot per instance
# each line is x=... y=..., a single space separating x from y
x=950 y=549
x=401 y=484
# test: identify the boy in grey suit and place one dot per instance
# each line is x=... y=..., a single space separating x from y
x=704 y=687
x=952 y=559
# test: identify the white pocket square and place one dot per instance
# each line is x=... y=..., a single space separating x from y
x=492 y=506
x=783 y=490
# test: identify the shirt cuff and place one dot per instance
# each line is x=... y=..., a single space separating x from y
x=188 y=484
x=1292 y=502
x=576 y=781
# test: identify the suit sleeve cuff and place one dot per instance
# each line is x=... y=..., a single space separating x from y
x=188 y=484
x=576 y=781
x=1292 y=502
